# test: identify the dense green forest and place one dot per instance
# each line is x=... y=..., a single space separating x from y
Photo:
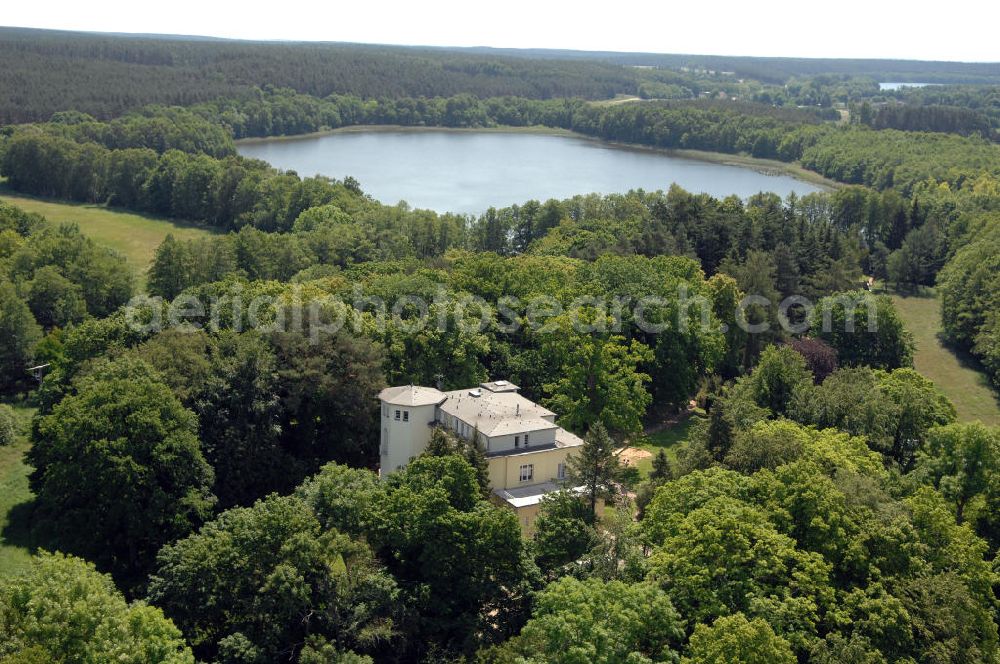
x=983 y=99
x=206 y=488
x=780 y=70
x=107 y=75
x=422 y=567
x=930 y=118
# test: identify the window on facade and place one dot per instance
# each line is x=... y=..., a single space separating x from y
x=526 y=439
x=561 y=471
x=406 y=416
x=527 y=472
x=397 y=414
x=517 y=441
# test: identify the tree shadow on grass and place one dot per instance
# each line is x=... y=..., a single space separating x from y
x=17 y=531
x=969 y=361
x=21 y=529
x=965 y=359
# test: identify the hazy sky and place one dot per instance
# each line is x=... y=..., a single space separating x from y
x=957 y=30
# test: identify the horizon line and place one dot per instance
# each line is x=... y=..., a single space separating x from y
x=452 y=47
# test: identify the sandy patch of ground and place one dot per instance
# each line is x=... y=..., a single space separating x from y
x=630 y=455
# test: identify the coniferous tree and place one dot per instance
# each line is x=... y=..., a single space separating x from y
x=720 y=432
x=595 y=466
x=169 y=273
x=661 y=467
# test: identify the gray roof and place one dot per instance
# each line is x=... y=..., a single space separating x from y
x=497 y=413
x=411 y=395
x=523 y=496
x=532 y=494
x=521 y=451
x=500 y=386
x=566 y=439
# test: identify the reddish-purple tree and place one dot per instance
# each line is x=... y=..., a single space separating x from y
x=820 y=356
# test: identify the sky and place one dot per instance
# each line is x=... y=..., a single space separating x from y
x=958 y=30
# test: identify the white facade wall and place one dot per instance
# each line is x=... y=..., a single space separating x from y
x=517 y=441
x=457 y=426
x=498 y=443
x=404 y=438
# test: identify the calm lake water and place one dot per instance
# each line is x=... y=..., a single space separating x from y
x=895 y=85
x=468 y=171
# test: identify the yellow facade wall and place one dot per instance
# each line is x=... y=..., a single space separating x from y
x=505 y=471
x=526 y=515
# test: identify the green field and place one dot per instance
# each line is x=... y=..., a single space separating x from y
x=955 y=373
x=14 y=553
x=135 y=236
x=670 y=439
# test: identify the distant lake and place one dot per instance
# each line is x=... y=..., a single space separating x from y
x=470 y=171
x=895 y=85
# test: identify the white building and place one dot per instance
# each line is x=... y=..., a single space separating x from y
x=524 y=446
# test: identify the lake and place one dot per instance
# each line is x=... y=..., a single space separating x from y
x=470 y=171
x=896 y=85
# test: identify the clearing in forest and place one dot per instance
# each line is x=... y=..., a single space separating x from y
x=135 y=236
x=956 y=373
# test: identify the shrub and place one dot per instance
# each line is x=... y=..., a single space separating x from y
x=9 y=427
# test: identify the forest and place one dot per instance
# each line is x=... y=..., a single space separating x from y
x=106 y=75
x=110 y=75
x=207 y=491
x=930 y=118
x=259 y=441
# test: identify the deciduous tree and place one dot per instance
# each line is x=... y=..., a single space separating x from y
x=19 y=333
x=776 y=378
x=460 y=561
x=864 y=329
x=60 y=609
x=262 y=579
x=9 y=426
x=963 y=462
x=55 y=300
x=603 y=623
x=736 y=639
x=600 y=380
x=563 y=530
x=118 y=469
x=726 y=557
